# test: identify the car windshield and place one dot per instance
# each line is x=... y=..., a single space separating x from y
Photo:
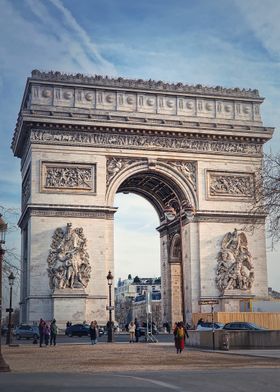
x=255 y=326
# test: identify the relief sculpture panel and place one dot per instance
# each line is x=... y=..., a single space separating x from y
x=68 y=177
x=222 y=185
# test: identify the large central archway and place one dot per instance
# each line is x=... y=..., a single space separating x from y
x=165 y=189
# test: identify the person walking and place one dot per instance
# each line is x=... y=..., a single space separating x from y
x=131 y=330
x=180 y=335
x=47 y=333
x=41 y=331
x=54 y=330
x=93 y=331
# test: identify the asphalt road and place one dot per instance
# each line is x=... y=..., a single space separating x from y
x=235 y=380
x=118 y=338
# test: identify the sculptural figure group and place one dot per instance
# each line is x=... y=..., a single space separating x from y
x=68 y=260
x=235 y=269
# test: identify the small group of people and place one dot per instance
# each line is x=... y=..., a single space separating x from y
x=180 y=334
x=134 y=331
x=47 y=332
x=93 y=332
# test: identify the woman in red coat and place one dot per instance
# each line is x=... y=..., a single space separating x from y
x=180 y=336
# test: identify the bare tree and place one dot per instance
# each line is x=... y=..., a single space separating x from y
x=267 y=196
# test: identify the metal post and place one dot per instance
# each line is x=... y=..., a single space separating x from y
x=9 y=332
x=182 y=268
x=3 y=365
x=110 y=329
x=213 y=329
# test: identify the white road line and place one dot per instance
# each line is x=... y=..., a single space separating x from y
x=156 y=382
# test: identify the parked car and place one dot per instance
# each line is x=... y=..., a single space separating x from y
x=81 y=330
x=4 y=330
x=208 y=326
x=243 y=326
x=77 y=330
x=143 y=330
x=27 y=331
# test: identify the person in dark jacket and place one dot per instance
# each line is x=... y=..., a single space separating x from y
x=54 y=330
x=93 y=331
x=41 y=331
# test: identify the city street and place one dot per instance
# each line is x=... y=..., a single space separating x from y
x=133 y=367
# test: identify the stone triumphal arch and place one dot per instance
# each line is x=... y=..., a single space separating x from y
x=192 y=151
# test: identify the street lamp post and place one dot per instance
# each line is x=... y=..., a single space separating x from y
x=10 y=310
x=171 y=213
x=3 y=228
x=110 y=308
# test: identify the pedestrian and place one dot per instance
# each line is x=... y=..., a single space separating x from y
x=180 y=336
x=47 y=333
x=131 y=330
x=41 y=331
x=137 y=330
x=54 y=330
x=93 y=331
x=167 y=326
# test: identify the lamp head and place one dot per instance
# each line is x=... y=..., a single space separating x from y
x=110 y=278
x=11 y=279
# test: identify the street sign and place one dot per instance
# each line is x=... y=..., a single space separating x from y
x=110 y=307
x=208 y=302
x=9 y=310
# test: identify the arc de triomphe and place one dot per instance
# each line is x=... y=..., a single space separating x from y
x=192 y=151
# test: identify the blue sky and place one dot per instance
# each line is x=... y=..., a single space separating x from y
x=219 y=42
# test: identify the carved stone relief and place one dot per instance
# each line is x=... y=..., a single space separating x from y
x=235 y=268
x=144 y=142
x=187 y=169
x=115 y=165
x=227 y=185
x=68 y=260
x=26 y=188
x=68 y=177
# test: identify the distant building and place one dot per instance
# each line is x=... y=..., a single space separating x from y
x=140 y=305
x=130 y=294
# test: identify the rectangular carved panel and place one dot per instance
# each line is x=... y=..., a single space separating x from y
x=224 y=185
x=68 y=177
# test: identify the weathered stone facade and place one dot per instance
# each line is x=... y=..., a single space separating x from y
x=82 y=139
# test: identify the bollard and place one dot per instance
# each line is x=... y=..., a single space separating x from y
x=225 y=341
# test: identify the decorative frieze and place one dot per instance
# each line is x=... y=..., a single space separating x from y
x=223 y=185
x=68 y=260
x=235 y=268
x=145 y=142
x=66 y=177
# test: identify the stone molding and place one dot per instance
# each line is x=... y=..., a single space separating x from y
x=99 y=80
x=65 y=177
x=49 y=210
x=145 y=142
x=223 y=185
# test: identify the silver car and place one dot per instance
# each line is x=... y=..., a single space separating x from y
x=27 y=332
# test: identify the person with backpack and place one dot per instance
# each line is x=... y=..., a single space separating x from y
x=180 y=336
